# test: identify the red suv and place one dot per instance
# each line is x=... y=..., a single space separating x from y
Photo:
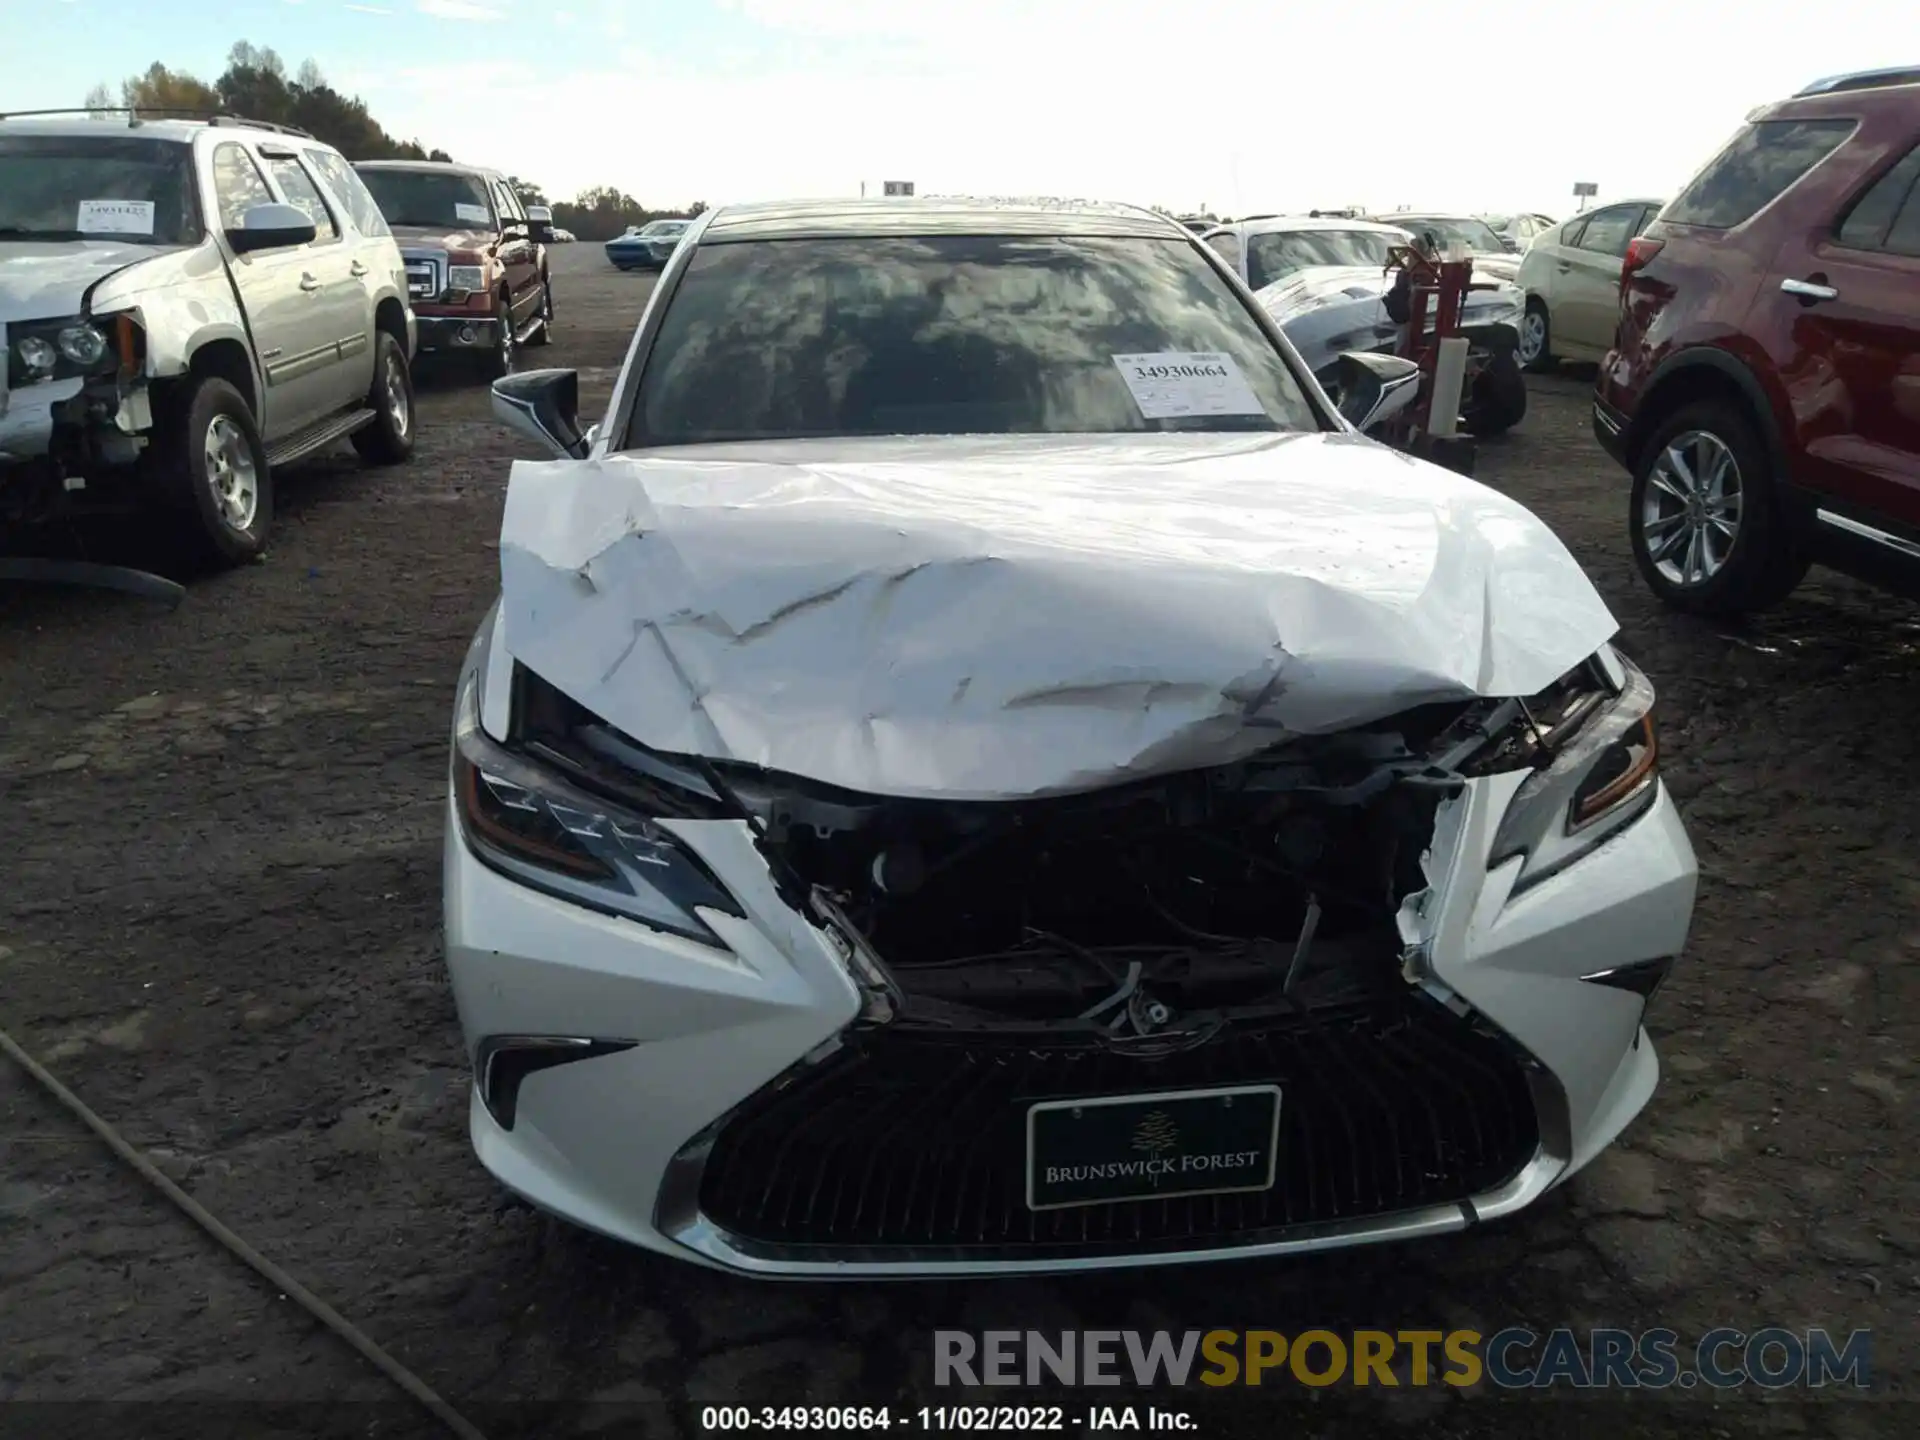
x=1764 y=382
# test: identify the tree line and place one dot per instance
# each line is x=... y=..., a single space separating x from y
x=256 y=84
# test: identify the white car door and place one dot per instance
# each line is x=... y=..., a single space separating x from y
x=332 y=280
x=296 y=347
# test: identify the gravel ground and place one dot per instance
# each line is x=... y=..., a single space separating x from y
x=219 y=924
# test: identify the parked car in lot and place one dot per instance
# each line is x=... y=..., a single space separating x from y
x=1571 y=277
x=186 y=308
x=1519 y=231
x=476 y=258
x=1764 y=384
x=561 y=237
x=1492 y=259
x=950 y=783
x=648 y=246
x=1267 y=249
x=1324 y=281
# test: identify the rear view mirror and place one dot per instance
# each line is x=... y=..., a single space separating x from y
x=271 y=227
x=540 y=223
x=1374 y=388
x=543 y=405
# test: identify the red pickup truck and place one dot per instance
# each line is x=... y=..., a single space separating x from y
x=476 y=258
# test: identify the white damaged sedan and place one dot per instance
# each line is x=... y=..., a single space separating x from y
x=978 y=767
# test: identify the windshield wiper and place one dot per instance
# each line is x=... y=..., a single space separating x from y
x=15 y=232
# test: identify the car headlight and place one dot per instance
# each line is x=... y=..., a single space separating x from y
x=73 y=345
x=535 y=826
x=1592 y=782
x=465 y=279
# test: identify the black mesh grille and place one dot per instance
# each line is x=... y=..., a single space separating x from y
x=905 y=1140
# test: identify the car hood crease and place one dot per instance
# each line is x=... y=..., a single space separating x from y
x=51 y=279
x=1004 y=617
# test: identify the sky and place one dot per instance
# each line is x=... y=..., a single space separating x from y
x=1237 y=105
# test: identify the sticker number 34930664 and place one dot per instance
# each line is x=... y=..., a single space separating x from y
x=1171 y=384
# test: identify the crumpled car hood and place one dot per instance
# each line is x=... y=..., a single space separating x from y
x=48 y=280
x=1500 y=266
x=1327 y=310
x=1320 y=285
x=1001 y=617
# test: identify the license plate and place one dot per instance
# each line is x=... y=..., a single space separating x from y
x=1152 y=1147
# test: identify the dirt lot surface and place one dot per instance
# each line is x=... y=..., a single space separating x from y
x=219 y=925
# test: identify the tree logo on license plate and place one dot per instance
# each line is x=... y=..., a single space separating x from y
x=1156 y=1133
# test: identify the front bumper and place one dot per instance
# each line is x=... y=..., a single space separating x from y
x=439 y=333
x=1610 y=429
x=622 y=1143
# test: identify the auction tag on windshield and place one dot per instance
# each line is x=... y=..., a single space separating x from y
x=472 y=214
x=1172 y=383
x=115 y=217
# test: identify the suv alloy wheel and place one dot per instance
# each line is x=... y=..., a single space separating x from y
x=1705 y=520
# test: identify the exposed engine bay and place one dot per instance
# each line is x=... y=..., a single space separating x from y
x=1149 y=914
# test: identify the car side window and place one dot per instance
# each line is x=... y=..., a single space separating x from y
x=1228 y=245
x=1876 y=218
x=350 y=193
x=304 y=195
x=1904 y=236
x=1609 y=231
x=1570 y=235
x=237 y=184
x=508 y=203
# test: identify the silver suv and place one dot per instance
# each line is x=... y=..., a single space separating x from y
x=185 y=307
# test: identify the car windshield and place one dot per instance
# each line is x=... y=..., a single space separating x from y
x=97 y=188
x=443 y=199
x=656 y=228
x=1003 y=335
x=1276 y=255
x=1473 y=234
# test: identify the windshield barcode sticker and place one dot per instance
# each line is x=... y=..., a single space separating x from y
x=472 y=214
x=1173 y=384
x=115 y=217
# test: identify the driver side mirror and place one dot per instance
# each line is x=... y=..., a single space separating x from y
x=271 y=227
x=1373 y=388
x=543 y=405
x=540 y=223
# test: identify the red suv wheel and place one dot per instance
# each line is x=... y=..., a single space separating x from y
x=1705 y=520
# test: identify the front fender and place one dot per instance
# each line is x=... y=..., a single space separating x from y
x=182 y=302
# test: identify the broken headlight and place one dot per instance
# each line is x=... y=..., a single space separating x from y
x=1589 y=784
x=60 y=349
x=538 y=828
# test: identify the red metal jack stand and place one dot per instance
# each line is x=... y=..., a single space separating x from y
x=1439 y=286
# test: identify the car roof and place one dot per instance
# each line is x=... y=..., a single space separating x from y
x=1266 y=224
x=932 y=215
x=1654 y=200
x=1887 y=77
x=445 y=167
x=176 y=131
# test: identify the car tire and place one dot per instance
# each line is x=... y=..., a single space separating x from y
x=1719 y=454
x=544 y=335
x=1536 y=339
x=1499 y=399
x=215 y=467
x=389 y=439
